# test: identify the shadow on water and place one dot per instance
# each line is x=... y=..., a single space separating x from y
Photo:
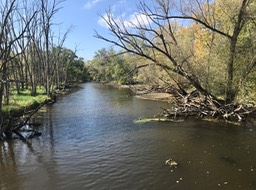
x=8 y=166
x=89 y=141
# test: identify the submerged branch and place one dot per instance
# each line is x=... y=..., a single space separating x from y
x=196 y=104
x=15 y=125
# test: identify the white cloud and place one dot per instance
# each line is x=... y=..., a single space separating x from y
x=133 y=20
x=137 y=19
x=91 y=3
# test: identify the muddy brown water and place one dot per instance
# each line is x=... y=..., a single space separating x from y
x=90 y=141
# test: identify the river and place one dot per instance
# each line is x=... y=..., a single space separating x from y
x=90 y=141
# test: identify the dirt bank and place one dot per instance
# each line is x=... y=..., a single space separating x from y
x=160 y=96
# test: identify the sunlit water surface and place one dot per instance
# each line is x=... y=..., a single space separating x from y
x=90 y=141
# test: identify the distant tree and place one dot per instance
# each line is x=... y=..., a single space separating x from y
x=107 y=66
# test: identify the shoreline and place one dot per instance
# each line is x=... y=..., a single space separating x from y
x=157 y=96
x=17 y=116
x=146 y=92
x=19 y=110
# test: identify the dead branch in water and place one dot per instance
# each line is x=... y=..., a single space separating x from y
x=14 y=125
x=197 y=104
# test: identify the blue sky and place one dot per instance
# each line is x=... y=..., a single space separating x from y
x=83 y=16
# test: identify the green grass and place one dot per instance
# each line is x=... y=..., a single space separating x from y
x=23 y=100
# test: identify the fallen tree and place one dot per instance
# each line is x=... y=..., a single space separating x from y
x=19 y=123
x=194 y=104
x=199 y=105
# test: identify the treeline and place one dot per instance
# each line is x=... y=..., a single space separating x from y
x=30 y=54
x=109 y=66
x=112 y=66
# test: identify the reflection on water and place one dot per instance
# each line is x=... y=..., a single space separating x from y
x=90 y=141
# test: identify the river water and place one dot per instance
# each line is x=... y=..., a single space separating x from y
x=90 y=141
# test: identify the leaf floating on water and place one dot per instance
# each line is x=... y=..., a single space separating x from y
x=171 y=163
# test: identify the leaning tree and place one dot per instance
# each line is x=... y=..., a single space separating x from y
x=154 y=34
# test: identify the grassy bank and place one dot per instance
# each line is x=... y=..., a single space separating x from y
x=21 y=102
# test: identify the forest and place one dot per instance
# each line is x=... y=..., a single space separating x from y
x=34 y=63
x=202 y=52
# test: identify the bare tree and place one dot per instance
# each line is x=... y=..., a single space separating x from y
x=27 y=53
x=56 y=58
x=48 y=10
x=10 y=17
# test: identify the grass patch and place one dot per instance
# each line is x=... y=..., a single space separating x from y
x=23 y=100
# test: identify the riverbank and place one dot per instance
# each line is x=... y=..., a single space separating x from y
x=194 y=105
x=22 y=106
x=158 y=96
x=146 y=92
x=22 y=102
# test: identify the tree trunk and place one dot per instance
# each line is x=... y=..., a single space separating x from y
x=230 y=93
x=1 y=101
